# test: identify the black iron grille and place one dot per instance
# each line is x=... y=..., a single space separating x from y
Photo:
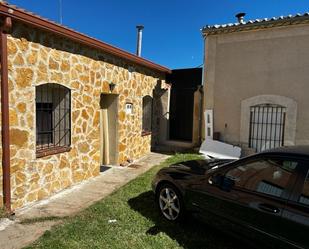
x=267 y=123
x=53 y=116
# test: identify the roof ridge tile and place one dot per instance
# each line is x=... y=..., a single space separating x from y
x=257 y=21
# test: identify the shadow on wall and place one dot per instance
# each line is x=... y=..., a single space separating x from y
x=159 y=117
x=190 y=234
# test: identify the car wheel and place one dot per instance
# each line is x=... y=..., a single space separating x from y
x=170 y=202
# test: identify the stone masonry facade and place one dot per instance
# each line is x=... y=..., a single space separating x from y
x=36 y=58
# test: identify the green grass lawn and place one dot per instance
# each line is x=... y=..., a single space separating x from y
x=138 y=223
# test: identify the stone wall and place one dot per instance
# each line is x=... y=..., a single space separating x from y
x=37 y=58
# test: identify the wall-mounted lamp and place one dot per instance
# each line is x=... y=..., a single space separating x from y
x=112 y=86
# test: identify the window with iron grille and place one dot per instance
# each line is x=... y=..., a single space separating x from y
x=147 y=114
x=53 y=118
x=267 y=123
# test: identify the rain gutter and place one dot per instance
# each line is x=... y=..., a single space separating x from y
x=5 y=125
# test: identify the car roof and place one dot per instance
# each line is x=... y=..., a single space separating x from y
x=299 y=151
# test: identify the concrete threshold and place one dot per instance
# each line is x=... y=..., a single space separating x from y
x=15 y=234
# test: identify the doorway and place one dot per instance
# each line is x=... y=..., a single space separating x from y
x=108 y=129
x=181 y=114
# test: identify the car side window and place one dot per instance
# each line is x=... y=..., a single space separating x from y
x=269 y=176
x=304 y=198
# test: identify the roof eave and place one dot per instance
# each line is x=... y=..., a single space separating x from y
x=46 y=25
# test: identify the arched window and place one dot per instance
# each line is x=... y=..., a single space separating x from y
x=53 y=119
x=147 y=114
x=267 y=124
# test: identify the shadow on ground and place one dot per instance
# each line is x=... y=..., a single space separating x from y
x=190 y=234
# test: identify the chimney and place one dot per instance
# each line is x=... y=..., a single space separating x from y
x=240 y=17
x=139 y=40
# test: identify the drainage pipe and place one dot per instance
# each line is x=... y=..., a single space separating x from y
x=5 y=129
x=201 y=113
x=201 y=89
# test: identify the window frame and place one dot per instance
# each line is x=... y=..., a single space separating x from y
x=147 y=132
x=302 y=175
x=288 y=191
x=257 y=124
x=306 y=179
x=54 y=148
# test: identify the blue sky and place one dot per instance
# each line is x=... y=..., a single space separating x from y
x=172 y=34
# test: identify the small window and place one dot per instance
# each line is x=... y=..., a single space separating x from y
x=208 y=131
x=304 y=198
x=209 y=123
x=129 y=108
x=147 y=114
x=270 y=177
x=53 y=119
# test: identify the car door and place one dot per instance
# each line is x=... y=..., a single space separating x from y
x=295 y=217
x=252 y=194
